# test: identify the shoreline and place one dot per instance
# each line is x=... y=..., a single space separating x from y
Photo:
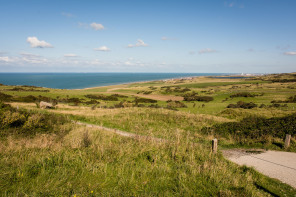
x=127 y=83
x=223 y=75
x=60 y=86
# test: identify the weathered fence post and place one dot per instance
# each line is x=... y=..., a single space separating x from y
x=214 y=145
x=287 y=141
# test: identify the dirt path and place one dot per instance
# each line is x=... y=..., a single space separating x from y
x=275 y=164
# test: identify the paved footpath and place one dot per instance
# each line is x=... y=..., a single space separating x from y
x=275 y=164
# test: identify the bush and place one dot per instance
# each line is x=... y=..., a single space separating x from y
x=241 y=104
x=246 y=94
x=176 y=89
x=254 y=127
x=144 y=100
x=12 y=119
x=176 y=104
x=194 y=97
x=5 y=97
x=26 y=90
x=291 y=99
x=23 y=122
x=112 y=97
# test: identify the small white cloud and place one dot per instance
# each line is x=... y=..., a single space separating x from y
x=32 y=58
x=251 y=50
x=97 y=26
x=140 y=43
x=207 y=50
x=128 y=63
x=290 y=53
x=35 y=43
x=70 y=55
x=6 y=59
x=102 y=48
x=191 y=52
x=69 y=15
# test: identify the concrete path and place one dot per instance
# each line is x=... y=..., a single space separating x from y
x=275 y=164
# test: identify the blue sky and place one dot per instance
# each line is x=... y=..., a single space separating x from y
x=250 y=36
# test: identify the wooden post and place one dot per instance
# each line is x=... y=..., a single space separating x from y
x=287 y=141
x=214 y=145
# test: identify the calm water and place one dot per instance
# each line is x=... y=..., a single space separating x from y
x=86 y=80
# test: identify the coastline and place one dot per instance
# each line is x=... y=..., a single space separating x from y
x=73 y=81
x=147 y=81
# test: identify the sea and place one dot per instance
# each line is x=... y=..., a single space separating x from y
x=87 y=80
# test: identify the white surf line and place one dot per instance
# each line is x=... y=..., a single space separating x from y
x=122 y=133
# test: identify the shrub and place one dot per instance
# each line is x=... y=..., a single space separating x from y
x=144 y=100
x=246 y=94
x=194 y=97
x=12 y=119
x=144 y=92
x=241 y=104
x=23 y=122
x=5 y=97
x=112 y=97
x=176 y=104
x=291 y=99
x=35 y=121
x=254 y=127
x=26 y=90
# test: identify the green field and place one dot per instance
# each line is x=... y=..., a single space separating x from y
x=44 y=153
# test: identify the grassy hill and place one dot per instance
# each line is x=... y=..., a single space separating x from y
x=44 y=153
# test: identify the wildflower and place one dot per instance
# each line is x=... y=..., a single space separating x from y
x=92 y=192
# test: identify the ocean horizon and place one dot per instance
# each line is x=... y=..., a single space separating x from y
x=88 y=80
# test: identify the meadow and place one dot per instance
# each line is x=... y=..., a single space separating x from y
x=45 y=153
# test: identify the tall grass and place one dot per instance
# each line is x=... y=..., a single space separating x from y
x=117 y=166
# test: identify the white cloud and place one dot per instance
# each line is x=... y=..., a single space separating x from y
x=97 y=26
x=251 y=50
x=191 y=52
x=70 y=55
x=6 y=59
x=32 y=58
x=102 y=48
x=140 y=43
x=207 y=50
x=290 y=53
x=35 y=43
